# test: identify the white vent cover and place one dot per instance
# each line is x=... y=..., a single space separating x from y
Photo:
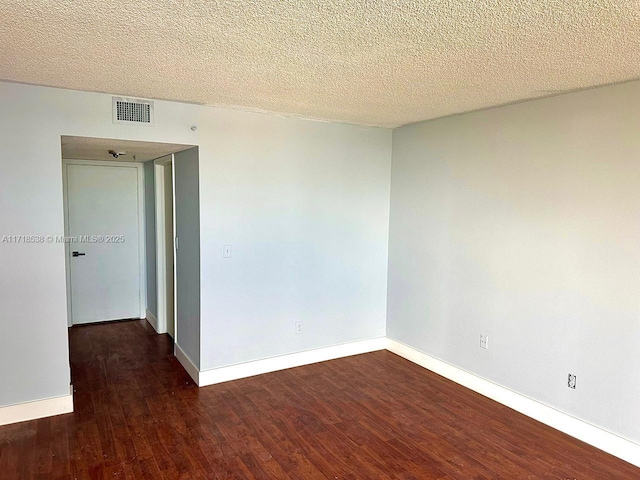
x=131 y=111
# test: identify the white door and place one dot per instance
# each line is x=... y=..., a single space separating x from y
x=104 y=263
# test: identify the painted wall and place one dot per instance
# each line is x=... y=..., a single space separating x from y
x=150 y=237
x=34 y=355
x=304 y=207
x=187 y=215
x=522 y=223
x=304 y=204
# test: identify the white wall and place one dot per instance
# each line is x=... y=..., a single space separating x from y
x=523 y=223
x=187 y=259
x=305 y=208
x=304 y=204
x=34 y=357
x=150 y=237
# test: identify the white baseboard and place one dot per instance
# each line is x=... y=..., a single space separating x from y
x=187 y=363
x=153 y=321
x=48 y=407
x=282 y=362
x=595 y=436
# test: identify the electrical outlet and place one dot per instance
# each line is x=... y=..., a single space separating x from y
x=298 y=328
x=571 y=381
x=484 y=342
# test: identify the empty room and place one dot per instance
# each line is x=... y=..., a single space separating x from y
x=320 y=239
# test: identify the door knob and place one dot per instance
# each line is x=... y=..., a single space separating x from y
x=77 y=254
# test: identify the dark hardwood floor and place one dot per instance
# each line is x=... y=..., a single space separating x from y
x=373 y=416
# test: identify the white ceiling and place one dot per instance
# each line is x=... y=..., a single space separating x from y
x=382 y=62
x=85 y=148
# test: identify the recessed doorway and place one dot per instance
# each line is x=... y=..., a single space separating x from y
x=118 y=238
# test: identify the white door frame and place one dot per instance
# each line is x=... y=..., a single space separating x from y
x=161 y=245
x=141 y=224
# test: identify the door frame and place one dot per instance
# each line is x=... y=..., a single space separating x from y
x=141 y=234
x=161 y=246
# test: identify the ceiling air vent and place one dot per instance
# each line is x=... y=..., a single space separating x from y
x=131 y=111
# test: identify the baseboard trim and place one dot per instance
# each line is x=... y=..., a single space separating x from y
x=48 y=407
x=609 y=442
x=282 y=362
x=153 y=321
x=187 y=363
x=588 y=433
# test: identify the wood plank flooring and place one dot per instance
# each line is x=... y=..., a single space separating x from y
x=372 y=416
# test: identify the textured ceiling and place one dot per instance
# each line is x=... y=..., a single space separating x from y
x=383 y=63
x=84 y=148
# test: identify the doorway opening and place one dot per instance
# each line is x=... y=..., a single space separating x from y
x=120 y=231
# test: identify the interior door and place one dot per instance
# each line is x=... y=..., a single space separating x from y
x=103 y=209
